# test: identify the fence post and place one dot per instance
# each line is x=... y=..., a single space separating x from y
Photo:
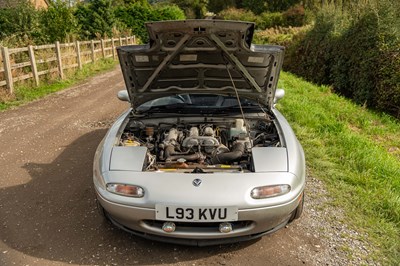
x=126 y=40
x=134 y=39
x=92 y=49
x=113 y=48
x=78 y=54
x=7 y=69
x=103 y=52
x=59 y=60
x=120 y=41
x=31 y=53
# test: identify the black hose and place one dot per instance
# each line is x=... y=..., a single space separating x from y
x=227 y=157
x=172 y=155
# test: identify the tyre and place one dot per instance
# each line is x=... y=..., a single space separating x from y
x=298 y=211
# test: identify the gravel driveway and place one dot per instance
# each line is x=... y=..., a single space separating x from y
x=48 y=213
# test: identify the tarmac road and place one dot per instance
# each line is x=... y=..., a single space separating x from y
x=48 y=213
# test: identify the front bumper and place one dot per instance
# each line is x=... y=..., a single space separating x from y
x=196 y=242
x=251 y=224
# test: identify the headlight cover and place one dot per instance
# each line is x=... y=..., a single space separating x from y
x=269 y=191
x=125 y=190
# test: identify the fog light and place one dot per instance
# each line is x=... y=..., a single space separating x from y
x=225 y=227
x=269 y=191
x=168 y=227
x=126 y=190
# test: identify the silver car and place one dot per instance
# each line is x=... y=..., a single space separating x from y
x=202 y=157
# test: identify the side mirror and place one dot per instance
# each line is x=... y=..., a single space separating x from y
x=123 y=95
x=279 y=93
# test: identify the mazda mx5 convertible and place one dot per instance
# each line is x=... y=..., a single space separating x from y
x=202 y=156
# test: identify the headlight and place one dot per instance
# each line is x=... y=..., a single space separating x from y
x=269 y=191
x=126 y=190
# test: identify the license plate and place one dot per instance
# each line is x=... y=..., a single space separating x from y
x=196 y=214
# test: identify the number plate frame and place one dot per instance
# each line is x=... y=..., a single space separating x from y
x=196 y=213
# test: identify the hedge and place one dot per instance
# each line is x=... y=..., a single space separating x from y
x=357 y=53
x=134 y=16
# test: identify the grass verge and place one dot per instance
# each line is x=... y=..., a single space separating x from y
x=356 y=152
x=27 y=93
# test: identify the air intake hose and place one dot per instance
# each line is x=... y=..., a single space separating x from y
x=228 y=157
x=172 y=155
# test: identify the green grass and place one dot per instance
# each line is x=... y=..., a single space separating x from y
x=27 y=93
x=356 y=152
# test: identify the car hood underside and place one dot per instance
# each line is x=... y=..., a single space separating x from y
x=200 y=56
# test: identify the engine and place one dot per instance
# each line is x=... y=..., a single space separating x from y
x=200 y=146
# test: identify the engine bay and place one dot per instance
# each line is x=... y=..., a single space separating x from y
x=200 y=145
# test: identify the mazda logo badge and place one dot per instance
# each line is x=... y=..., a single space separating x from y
x=196 y=182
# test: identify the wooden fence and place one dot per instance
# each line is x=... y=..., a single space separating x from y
x=32 y=62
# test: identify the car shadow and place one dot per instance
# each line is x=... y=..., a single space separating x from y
x=54 y=217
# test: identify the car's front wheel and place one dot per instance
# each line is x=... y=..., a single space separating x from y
x=298 y=211
x=102 y=212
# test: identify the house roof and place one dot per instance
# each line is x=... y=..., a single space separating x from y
x=36 y=3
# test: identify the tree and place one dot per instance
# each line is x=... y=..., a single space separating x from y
x=19 y=20
x=57 y=22
x=95 y=18
x=256 y=6
x=135 y=16
x=192 y=8
x=168 y=12
x=216 y=6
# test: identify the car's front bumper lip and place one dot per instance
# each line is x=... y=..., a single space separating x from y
x=196 y=242
x=261 y=221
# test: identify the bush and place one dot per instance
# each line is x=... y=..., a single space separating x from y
x=256 y=6
x=95 y=18
x=270 y=20
x=294 y=16
x=135 y=16
x=354 y=68
x=168 y=12
x=280 y=5
x=238 y=14
x=388 y=89
x=57 y=22
x=19 y=23
x=356 y=52
x=310 y=55
x=283 y=36
x=192 y=8
x=217 y=6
